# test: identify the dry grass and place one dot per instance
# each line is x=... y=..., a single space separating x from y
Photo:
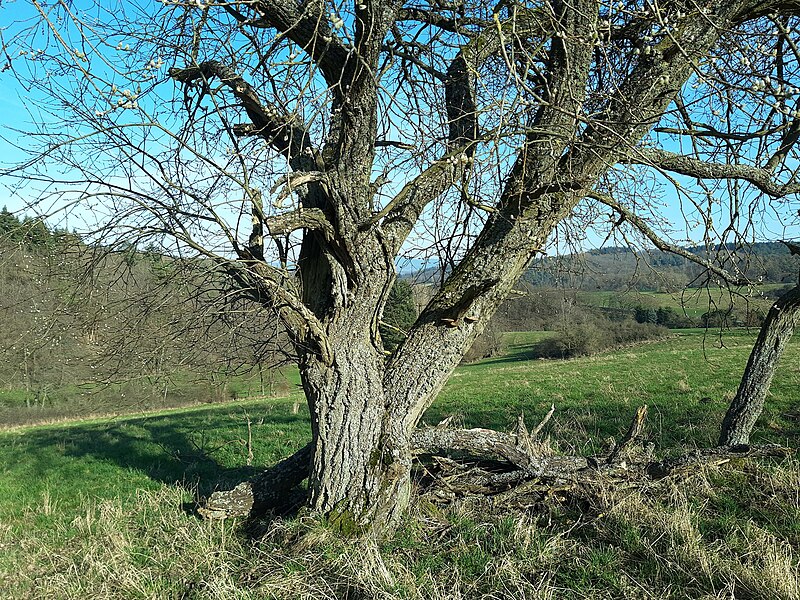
x=687 y=540
x=725 y=534
x=676 y=543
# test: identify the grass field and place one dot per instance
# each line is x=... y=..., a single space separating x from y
x=66 y=402
x=687 y=381
x=691 y=302
x=102 y=508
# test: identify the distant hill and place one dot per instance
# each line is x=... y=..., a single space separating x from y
x=85 y=326
x=616 y=269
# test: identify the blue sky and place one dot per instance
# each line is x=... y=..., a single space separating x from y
x=14 y=115
x=13 y=112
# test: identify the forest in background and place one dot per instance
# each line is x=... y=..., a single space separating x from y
x=87 y=328
x=84 y=326
x=622 y=269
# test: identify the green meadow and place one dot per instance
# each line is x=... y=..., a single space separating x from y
x=693 y=302
x=102 y=507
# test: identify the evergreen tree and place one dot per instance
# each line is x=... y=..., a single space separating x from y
x=399 y=314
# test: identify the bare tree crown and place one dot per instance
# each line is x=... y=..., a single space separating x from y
x=301 y=145
x=322 y=138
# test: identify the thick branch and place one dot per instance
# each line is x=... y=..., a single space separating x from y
x=511 y=235
x=289 y=138
x=755 y=9
x=404 y=209
x=694 y=167
x=462 y=110
x=394 y=144
x=691 y=462
x=460 y=25
x=665 y=246
x=633 y=434
x=279 y=129
x=402 y=212
x=306 y=24
x=655 y=77
x=303 y=218
x=788 y=141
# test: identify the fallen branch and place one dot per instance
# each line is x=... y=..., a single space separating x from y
x=487 y=443
x=266 y=491
x=688 y=463
x=500 y=466
x=444 y=483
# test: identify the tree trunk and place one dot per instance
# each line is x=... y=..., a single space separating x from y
x=360 y=471
x=749 y=401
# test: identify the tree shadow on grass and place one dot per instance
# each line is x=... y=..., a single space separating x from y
x=201 y=450
x=519 y=353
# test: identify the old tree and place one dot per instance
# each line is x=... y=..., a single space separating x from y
x=300 y=146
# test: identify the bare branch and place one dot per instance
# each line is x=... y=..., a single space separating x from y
x=665 y=246
x=408 y=56
x=707 y=131
x=461 y=25
x=694 y=167
x=306 y=24
x=789 y=140
x=512 y=235
x=269 y=285
x=393 y=144
x=538 y=429
x=462 y=112
x=279 y=129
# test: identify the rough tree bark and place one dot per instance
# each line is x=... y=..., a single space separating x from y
x=748 y=403
x=264 y=492
x=361 y=462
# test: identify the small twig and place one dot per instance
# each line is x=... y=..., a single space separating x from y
x=538 y=429
x=445 y=423
x=523 y=437
x=634 y=431
x=249 y=440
